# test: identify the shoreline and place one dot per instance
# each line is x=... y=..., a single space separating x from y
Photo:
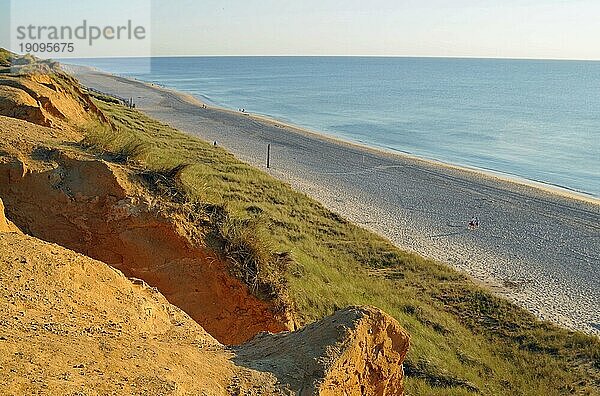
x=563 y=191
x=521 y=264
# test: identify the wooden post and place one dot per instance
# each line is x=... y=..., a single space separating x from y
x=268 y=156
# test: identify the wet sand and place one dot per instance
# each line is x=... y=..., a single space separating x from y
x=538 y=247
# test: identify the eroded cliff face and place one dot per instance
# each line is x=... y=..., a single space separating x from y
x=357 y=351
x=52 y=99
x=72 y=322
x=91 y=206
x=73 y=325
x=5 y=224
x=57 y=193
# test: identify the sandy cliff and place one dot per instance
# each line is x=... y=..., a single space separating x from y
x=365 y=359
x=112 y=288
x=42 y=94
x=102 y=210
x=72 y=324
x=5 y=224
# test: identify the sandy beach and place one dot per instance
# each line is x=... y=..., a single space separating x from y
x=537 y=247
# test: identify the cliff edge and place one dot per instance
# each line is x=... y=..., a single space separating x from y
x=111 y=283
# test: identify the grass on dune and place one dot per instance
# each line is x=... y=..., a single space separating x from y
x=5 y=57
x=464 y=340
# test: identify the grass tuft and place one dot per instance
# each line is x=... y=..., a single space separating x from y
x=436 y=377
x=244 y=243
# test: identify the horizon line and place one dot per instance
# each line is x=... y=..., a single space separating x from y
x=341 y=56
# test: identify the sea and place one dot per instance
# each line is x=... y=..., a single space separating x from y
x=537 y=120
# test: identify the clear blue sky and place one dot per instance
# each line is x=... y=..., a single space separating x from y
x=475 y=28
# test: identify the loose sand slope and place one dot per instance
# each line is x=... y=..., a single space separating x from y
x=539 y=249
x=71 y=324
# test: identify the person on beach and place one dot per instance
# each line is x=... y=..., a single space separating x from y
x=474 y=223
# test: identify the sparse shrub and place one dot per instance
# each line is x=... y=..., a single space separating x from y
x=244 y=244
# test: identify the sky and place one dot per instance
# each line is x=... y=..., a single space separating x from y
x=563 y=29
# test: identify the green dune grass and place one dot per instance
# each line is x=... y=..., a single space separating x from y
x=463 y=339
x=5 y=58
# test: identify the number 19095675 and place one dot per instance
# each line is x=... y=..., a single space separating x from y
x=46 y=47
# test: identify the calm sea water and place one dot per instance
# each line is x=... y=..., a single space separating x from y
x=539 y=120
